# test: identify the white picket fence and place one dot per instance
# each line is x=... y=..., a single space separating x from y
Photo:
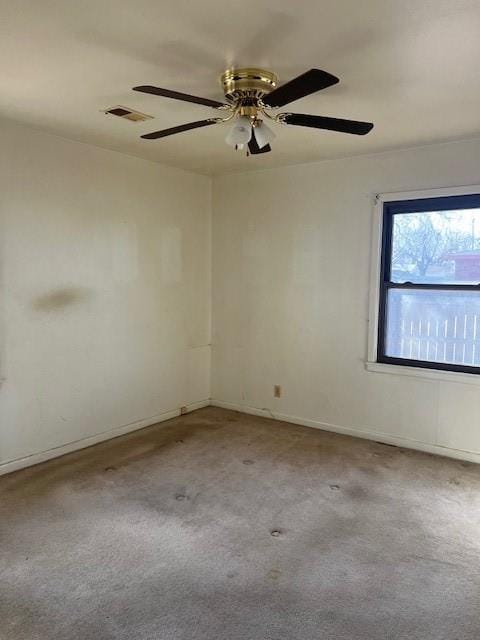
x=454 y=339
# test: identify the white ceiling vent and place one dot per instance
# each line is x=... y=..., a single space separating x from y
x=128 y=114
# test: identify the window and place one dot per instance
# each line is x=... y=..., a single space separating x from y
x=429 y=314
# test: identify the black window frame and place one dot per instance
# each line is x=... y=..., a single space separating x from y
x=417 y=205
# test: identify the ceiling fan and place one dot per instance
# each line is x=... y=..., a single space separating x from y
x=251 y=94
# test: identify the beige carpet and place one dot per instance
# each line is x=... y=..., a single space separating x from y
x=218 y=525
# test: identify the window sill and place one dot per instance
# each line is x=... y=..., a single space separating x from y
x=427 y=374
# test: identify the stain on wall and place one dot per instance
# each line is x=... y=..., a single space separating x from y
x=61 y=299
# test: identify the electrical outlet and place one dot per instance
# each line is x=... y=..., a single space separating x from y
x=183 y=411
x=277 y=391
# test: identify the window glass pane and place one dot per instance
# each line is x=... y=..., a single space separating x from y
x=436 y=326
x=436 y=247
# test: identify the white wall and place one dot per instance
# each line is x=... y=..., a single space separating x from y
x=291 y=263
x=105 y=296
x=104 y=292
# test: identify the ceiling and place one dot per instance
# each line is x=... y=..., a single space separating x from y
x=409 y=66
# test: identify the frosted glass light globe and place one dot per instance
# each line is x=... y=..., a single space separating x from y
x=240 y=133
x=264 y=135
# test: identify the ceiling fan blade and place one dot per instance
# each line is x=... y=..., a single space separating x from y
x=301 y=86
x=183 y=127
x=254 y=148
x=332 y=124
x=176 y=95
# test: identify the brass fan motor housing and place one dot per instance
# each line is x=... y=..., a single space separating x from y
x=247 y=84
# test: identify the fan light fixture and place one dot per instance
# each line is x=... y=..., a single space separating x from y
x=253 y=95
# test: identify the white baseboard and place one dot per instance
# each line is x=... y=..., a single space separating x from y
x=36 y=458
x=407 y=443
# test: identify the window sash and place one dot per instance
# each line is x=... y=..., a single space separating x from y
x=390 y=209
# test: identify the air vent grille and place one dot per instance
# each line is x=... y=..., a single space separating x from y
x=128 y=114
